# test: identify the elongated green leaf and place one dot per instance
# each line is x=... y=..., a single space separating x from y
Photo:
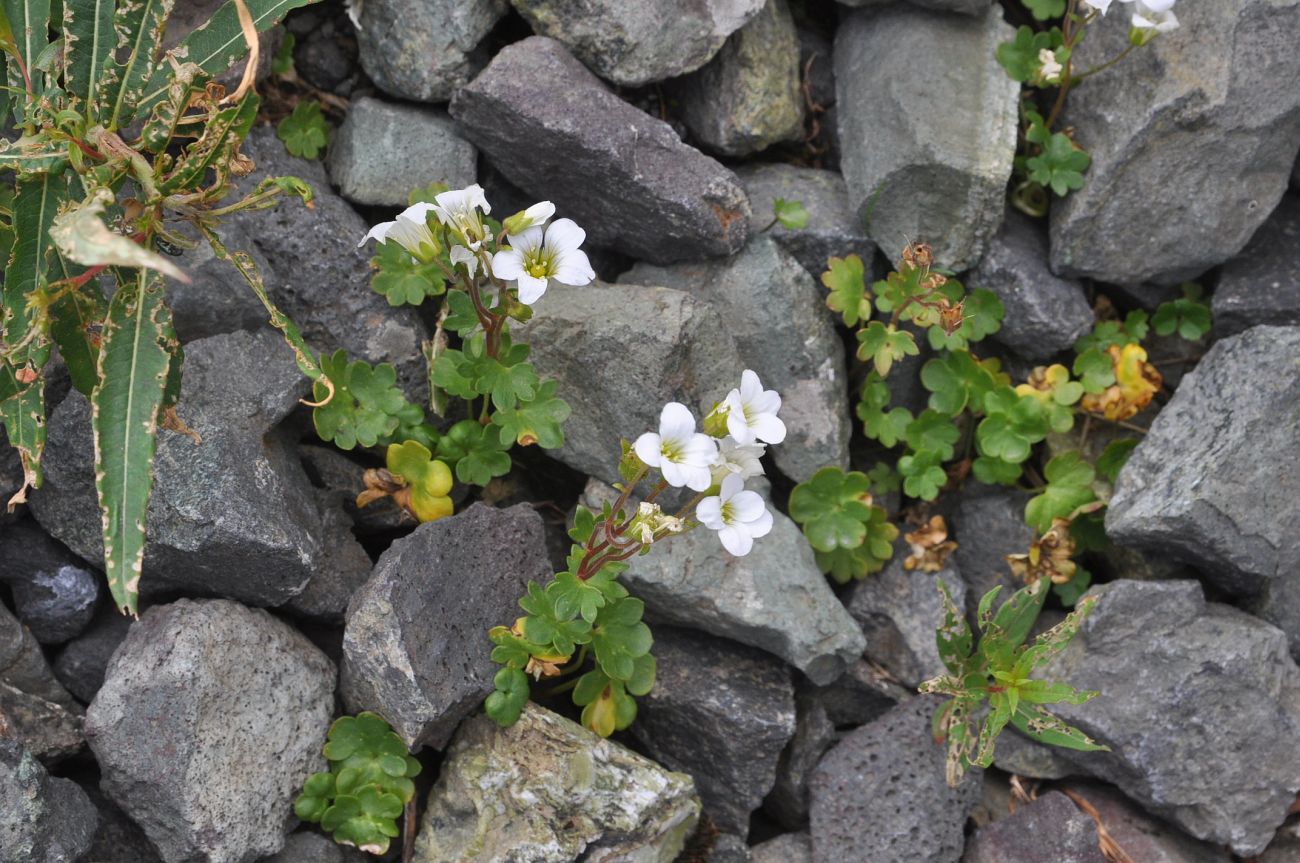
x=32 y=155
x=139 y=26
x=74 y=321
x=133 y=366
x=217 y=45
x=25 y=335
x=88 y=43
x=221 y=136
x=30 y=21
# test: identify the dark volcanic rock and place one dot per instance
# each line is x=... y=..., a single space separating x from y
x=424 y=49
x=81 y=664
x=1262 y=284
x=1050 y=828
x=54 y=592
x=42 y=819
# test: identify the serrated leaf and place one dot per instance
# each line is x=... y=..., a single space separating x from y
x=403 y=280
x=922 y=475
x=792 y=215
x=1060 y=165
x=846 y=279
x=1045 y=10
x=934 y=432
x=1189 y=316
x=1069 y=486
x=538 y=420
x=982 y=313
x=365 y=406
x=29 y=22
x=1114 y=457
x=883 y=345
x=304 y=132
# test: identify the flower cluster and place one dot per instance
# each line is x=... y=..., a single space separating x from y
x=1151 y=16
x=740 y=425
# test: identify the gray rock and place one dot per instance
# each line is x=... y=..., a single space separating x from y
x=926 y=155
x=1285 y=849
x=1044 y=314
x=1200 y=704
x=1211 y=135
x=860 y=695
x=325 y=55
x=383 y=151
x=81 y=664
x=988 y=523
x=775 y=598
x=424 y=50
x=42 y=819
x=632 y=44
x=49 y=731
x=11 y=477
x=54 y=592
x=721 y=712
x=23 y=665
x=555 y=131
x=899 y=611
x=777 y=314
x=313 y=271
x=970 y=7
x=814 y=733
x=786 y=848
x=1141 y=836
x=315 y=848
x=118 y=839
x=547 y=790
x=685 y=356
x=747 y=97
x=1196 y=487
x=1020 y=756
x=833 y=228
x=880 y=794
x=234 y=515
x=415 y=649
x=330 y=589
x=1262 y=284
x=729 y=848
x=1049 y=828
x=819 y=77
x=211 y=717
x=332 y=471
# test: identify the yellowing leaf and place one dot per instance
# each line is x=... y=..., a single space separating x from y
x=1136 y=383
x=82 y=236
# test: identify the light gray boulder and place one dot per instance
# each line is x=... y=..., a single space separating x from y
x=423 y=50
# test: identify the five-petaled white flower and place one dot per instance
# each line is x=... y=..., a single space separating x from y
x=459 y=210
x=751 y=412
x=1049 y=70
x=737 y=515
x=736 y=459
x=410 y=230
x=682 y=455
x=533 y=261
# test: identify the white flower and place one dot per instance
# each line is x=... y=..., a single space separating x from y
x=532 y=261
x=410 y=230
x=650 y=519
x=1049 y=69
x=462 y=255
x=354 y=8
x=1155 y=15
x=459 y=210
x=740 y=460
x=751 y=412
x=682 y=455
x=737 y=515
x=538 y=214
x=1102 y=6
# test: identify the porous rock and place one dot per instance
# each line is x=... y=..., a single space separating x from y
x=42 y=819
x=1142 y=836
x=316 y=848
x=423 y=50
x=814 y=733
x=1049 y=828
x=48 y=730
x=555 y=131
x=988 y=523
x=211 y=717
x=786 y=848
x=1262 y=284
x=415 y=649
x=81 y=664
x=547 y=790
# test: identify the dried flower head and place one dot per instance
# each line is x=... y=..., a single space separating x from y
x=930 y=546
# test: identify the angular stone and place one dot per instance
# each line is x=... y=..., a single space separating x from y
x=721 y=712
x=1049 y=828
x=775 y=598
x=210 y=719
x=554 y=130
x=1197 y=487
x=786 y=848
x=777 y=314
x=49 y=731
x=316 y=848
x=42 y=819
x=616 y=372
x=325 y=54
x=1142 y=836
x=118 y=839
x=1208 y=140
x=424 y=50
x=880 y=795
x=729 y=848
x=1262 y=284
x=747 y=97
x=233 y=515
x=814 y=733
x=926 y=155
x=1044 y=314
x=54 y=592
x=415 y=649
x=899 y=611
x=860 y=695
x=632 y=44
x=988 y=523
x=23 y=665
x=329 y=591
x=547 y=790
x=1018 y=755
x=332 y=471
x=833 y=228
x=1200 y=707
x=383 y=151
x=81 y=664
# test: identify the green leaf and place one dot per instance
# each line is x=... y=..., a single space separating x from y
x=1037 y=724
x=1114 y=457
x=366 y=404
x=982 y=313
x=29 y=22
x=538 y=420
x=1060 y=165
x=507 y=701
x=958 y=381
x=476 y=450
x=1045 y=10
x=1016 y=616
x=304 y=132
x=1069 y=486
x=832 y=508
x=995 y=471
x=134 y=363
x=922 y=475
x=1012 y=425
x=1020 y=56
x=791 y=214
x=934 y=432
x=572 y=595
x=429 y=480
x=401 y=279
x=845 y=277
x=90 y=40
x=617 y=646
x=1094 y=369
x=139 y=26
x=74 y=321
x=1074 y=589
x=953 y=636
x=461 y=317
x=1188 y=316
x=883 y=345
x=282 y=62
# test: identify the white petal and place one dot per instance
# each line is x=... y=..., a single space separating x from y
x=564 y=235
x=647 y=448
x=573 y=268
x=540 y=212
x=732 y=486
x=769 y=428
x=750 y=386
x=738 y=428
x=417 y=212
x=699 y=450
x=507 y=264
x=736 y=540
x=462 y=255
x=709 y=512
x=747 y=506
x=697 y=478
x=762 y=526
x=675 y=475
x=531 y=288
x=766 y=402
x=378 y=232
x=526 y=242
x=676 y=422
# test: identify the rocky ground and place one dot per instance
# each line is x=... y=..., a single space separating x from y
x=784 y=725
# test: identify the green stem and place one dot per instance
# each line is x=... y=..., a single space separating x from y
x=562 y=688
x=1111 y=62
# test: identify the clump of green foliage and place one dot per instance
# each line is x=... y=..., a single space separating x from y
x=359 y=799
